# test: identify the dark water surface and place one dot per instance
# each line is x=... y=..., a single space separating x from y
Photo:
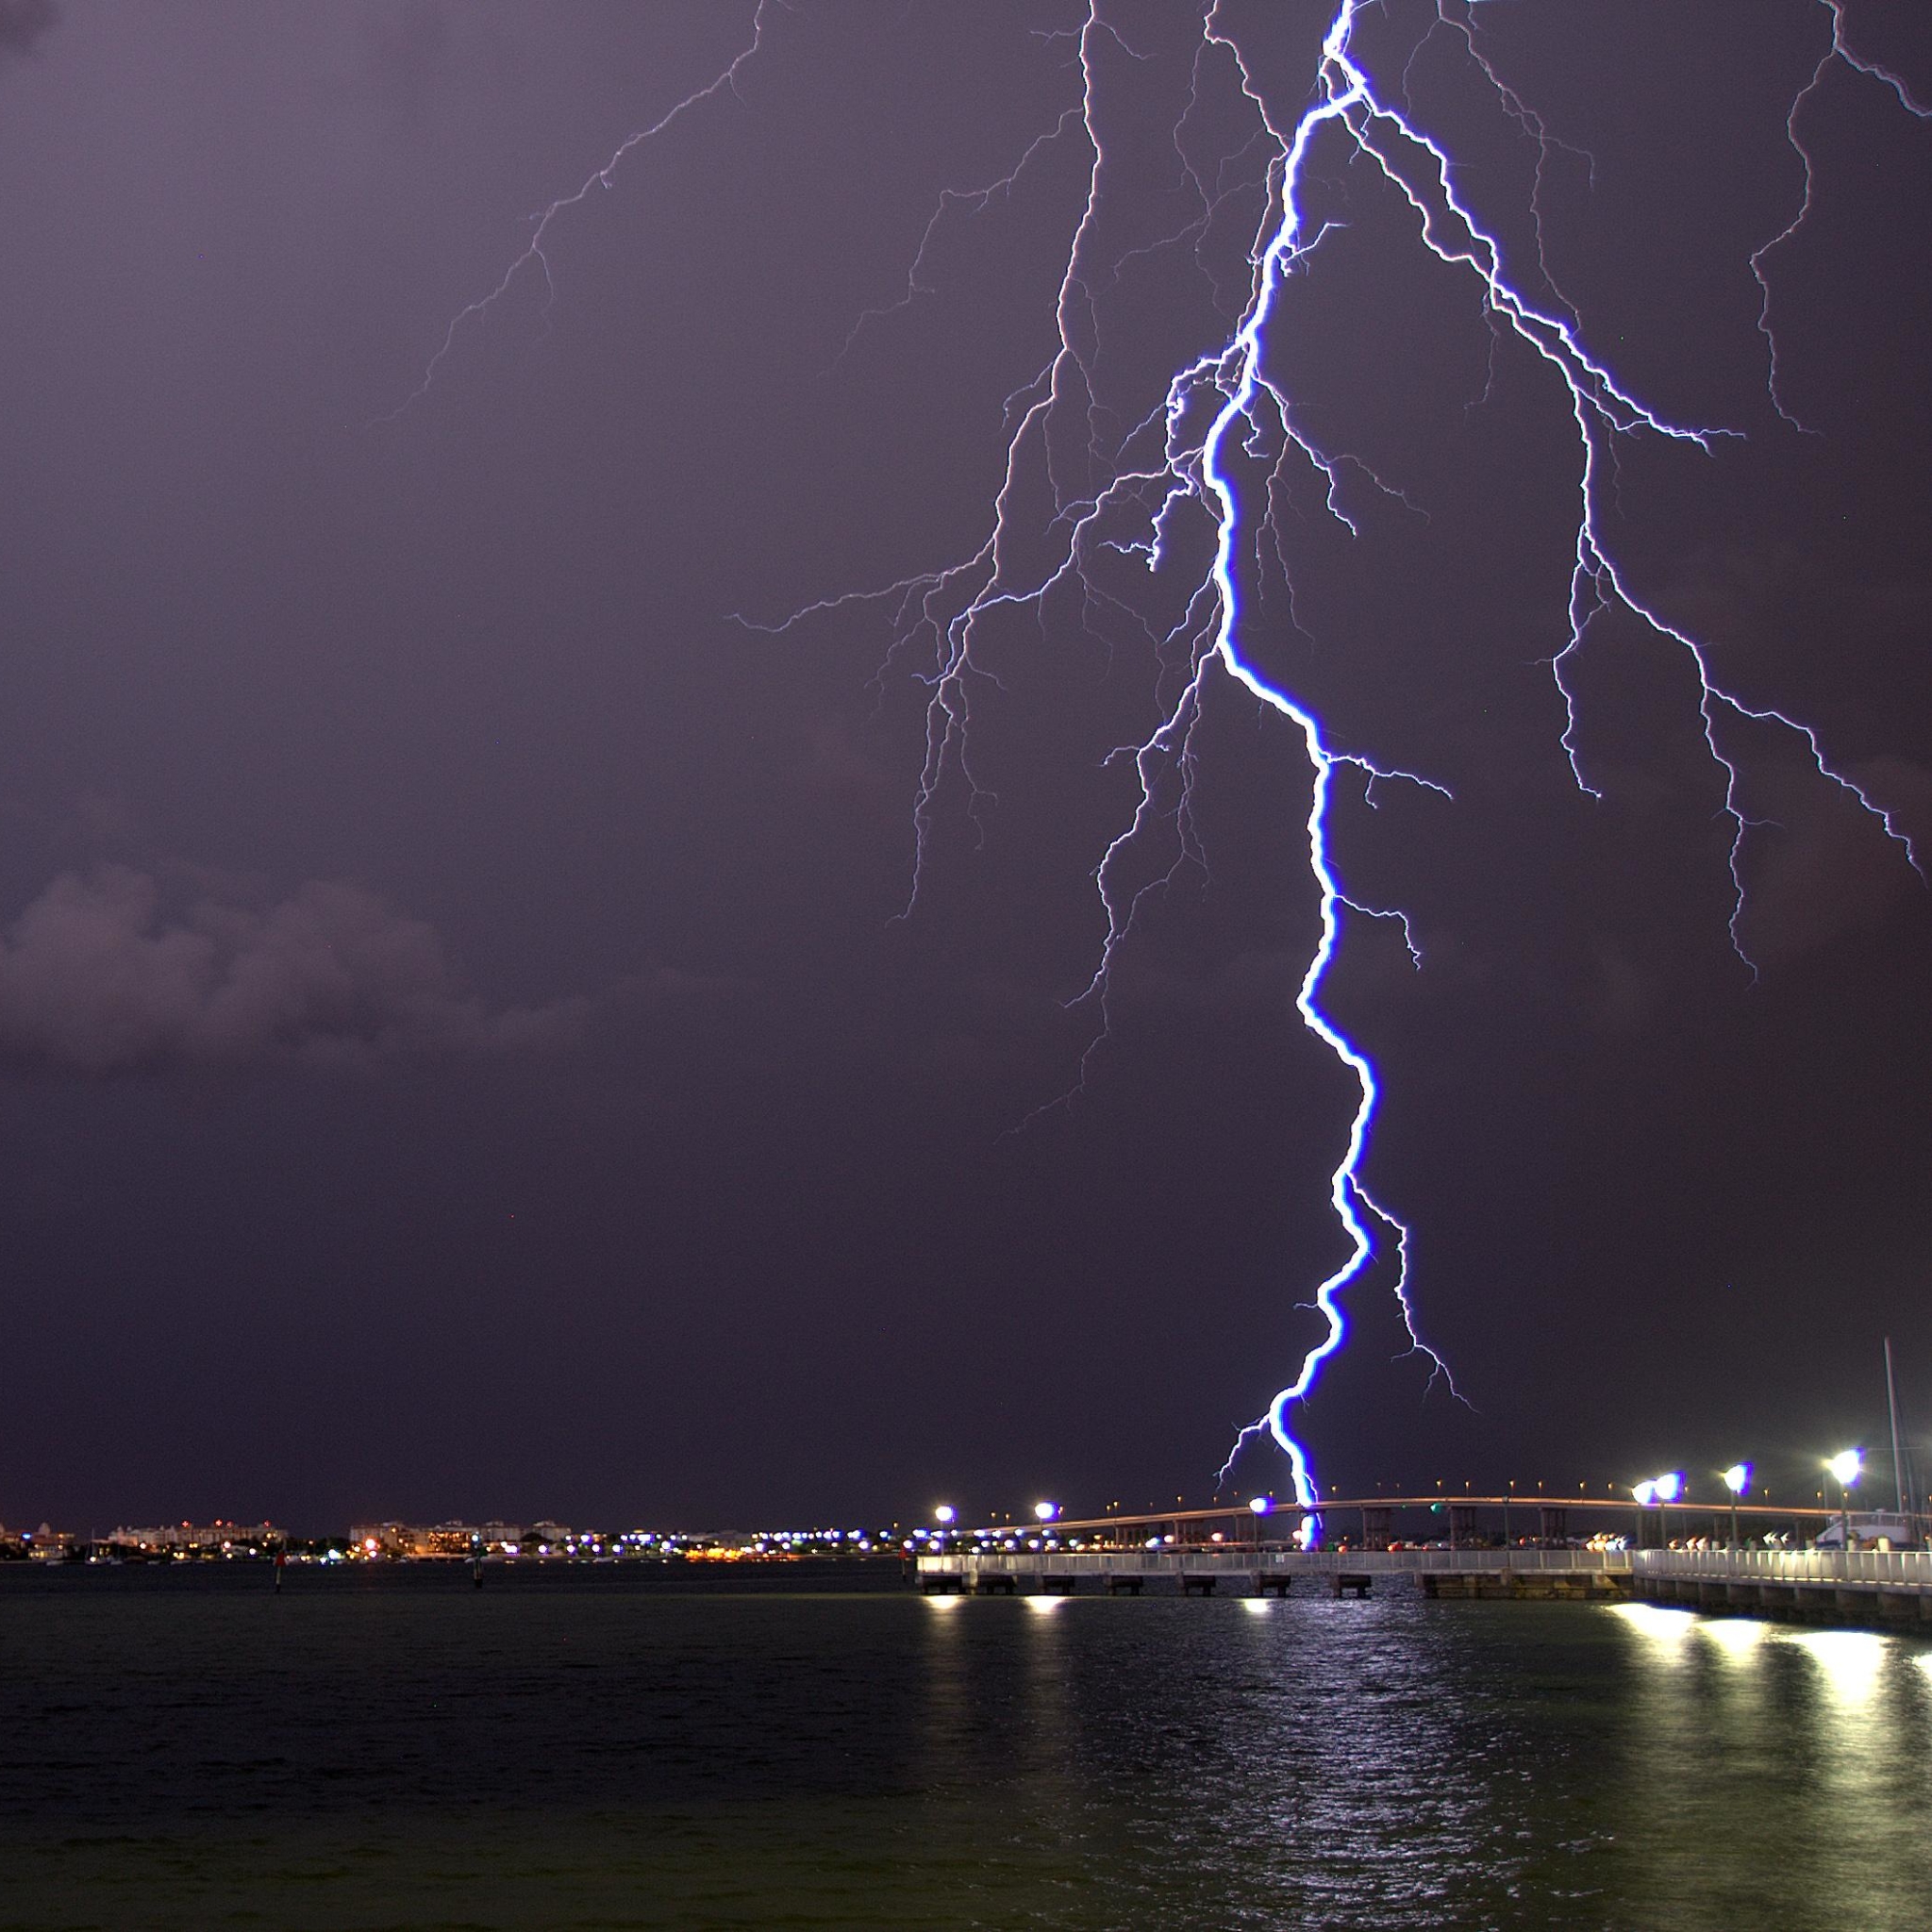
x=593 y=1749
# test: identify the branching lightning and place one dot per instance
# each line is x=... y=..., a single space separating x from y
x=1181 y=470
x=532 y=255
x=1838 y=53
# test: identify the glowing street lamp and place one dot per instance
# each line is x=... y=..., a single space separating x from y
x=1259 y=1507
x=1847 y=1466
x=1738 y=1480
x=1645 y=1493
x=1655 y=1492
x=1046 y=1511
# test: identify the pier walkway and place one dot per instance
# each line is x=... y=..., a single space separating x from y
x=1882 y=1588
x=1873 y=1587
x=1198 y=1570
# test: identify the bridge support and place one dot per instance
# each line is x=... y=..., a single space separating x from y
x=1117 y=1584
x=1272 y=1583
x=1196 y=1583
x=1356 y=1584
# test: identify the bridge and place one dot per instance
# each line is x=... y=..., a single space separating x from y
x=1205 y=1552
x=1448 y=1519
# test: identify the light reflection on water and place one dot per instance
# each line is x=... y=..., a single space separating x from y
x=1737 y=1640
x=1763 y=1762
x=1849 y=1663
x=597 y=1756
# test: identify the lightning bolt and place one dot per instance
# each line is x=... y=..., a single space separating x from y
x=1181 y=459
x=1177 y=473
x=1837 y=53
x=532 y=255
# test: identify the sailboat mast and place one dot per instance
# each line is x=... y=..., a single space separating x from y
x=1898 y=1461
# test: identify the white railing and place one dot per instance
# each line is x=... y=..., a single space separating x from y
x=1197 y=1561
x=1891 y=1569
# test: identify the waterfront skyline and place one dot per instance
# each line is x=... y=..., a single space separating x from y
x=460 y=1043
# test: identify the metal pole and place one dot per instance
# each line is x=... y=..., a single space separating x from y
x=1898 y=1462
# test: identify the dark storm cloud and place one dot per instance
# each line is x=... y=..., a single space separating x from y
x=23 y=24
x=97 y=979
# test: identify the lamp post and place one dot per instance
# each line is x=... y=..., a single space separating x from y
x=1260 y=1506
x=1669 y=1487
x=1847 y=1466
x=1738 y=1480
x=1643 y=1491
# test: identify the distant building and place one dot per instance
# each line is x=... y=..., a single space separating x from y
x=49 y=1546
x=213 y=1539
x=433 y=1543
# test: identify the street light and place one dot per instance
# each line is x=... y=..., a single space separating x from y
x=1046 y=1511
x=1657 y=1491
x=1848 y=1465
x=1644 y=1492
x=1738 y=1480
x=1260 y=1506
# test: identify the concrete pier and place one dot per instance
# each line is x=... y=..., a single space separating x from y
x=1873 y=1588
x=1196 y=1571
x=1881 y=1590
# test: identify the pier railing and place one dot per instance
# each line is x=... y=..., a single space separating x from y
x=1868 y=1569
x=1196 y=1561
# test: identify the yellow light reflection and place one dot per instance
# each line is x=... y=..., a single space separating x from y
x=1261 y=1605
x=946 y=1601
x=1849 y=1660
x=1666 y=1629
x=1042 y=1606
x=1738 y=1639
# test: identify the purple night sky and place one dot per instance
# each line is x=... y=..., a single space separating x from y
x=460 y=1051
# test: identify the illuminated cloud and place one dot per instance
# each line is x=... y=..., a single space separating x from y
x=97 y=979
x=23 y=24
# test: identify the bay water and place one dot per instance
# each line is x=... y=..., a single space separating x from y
x=389 y=1747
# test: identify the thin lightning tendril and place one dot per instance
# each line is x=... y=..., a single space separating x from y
x=1838 y=53
x=1176 y=467
x=533 y=255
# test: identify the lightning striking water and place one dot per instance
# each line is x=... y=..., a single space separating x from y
x=1183 y=472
